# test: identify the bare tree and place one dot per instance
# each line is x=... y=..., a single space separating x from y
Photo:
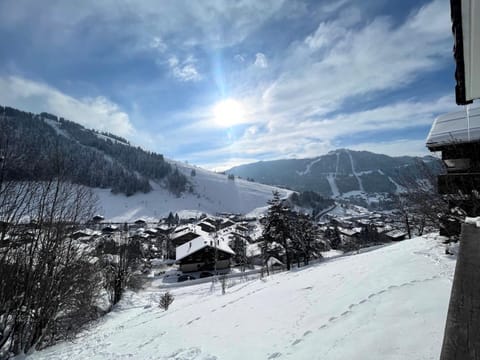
x=47 y=283
x=420 y=204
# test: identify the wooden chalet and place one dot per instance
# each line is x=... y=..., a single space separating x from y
x=396 y=235
x=457 y=137
x=183 y=235
x=203 y=254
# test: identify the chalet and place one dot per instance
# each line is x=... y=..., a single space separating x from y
x=109 y=229
x=202 y=254
x=348 y=235
x=457 y=136
x=242 y=228
x=227 y=223
x=207 y=227
x=184 y=235
x=396 y=235
x=210 y=221
x=362 y=222
x=164 y=229
x=80 y=234
x=98 y=218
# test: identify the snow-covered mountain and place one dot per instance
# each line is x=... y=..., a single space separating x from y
x=130 y=182
x=341 y=172
x=390 y=303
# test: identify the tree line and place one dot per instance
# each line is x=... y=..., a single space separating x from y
x=87 y=158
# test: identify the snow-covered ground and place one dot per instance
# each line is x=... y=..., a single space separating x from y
x=212 y=193
x=390 y=303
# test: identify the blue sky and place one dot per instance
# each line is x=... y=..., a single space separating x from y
x=220 y=83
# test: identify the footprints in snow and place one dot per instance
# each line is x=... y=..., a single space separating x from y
x=192 y=321
x=363 y=301
x=275 y=355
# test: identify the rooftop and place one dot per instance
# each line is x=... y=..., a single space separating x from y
x=454 y=128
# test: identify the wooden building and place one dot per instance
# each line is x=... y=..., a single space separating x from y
x=457 y=137
x=204 y=254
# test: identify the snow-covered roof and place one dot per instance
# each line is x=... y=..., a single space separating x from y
x=183 y=231
x=348 y=232
x=396 y=233
x=199 y=243
x=454 y=128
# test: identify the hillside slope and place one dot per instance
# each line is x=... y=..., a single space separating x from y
x=340 y=172
x=130 y=182
x=390 y=303
x=212 y=193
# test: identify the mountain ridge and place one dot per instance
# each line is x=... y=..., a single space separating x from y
x=340 y=172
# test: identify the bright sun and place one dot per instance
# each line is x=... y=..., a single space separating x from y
x=228 y=112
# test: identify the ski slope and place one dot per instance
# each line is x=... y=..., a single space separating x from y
x=390 y=303
x=212 y=193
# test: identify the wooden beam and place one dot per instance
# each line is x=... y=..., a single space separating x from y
x=462 y=330
x=453 y=183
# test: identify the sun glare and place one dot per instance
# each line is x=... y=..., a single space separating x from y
x=228 y=112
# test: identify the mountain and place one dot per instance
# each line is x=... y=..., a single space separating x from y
x=375 y=305
x=341 y=172
x=38 y=147
x=130 y=182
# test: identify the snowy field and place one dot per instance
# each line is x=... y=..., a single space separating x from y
x=212 y=193
x=390 y=303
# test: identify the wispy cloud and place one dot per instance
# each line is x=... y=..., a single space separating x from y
x=99 y=112
x=260 y=61
x=185 y=70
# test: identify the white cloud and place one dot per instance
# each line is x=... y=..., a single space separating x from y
x=260 y=61
x=158 y=44
x=400 y=147
x=186 y=70
x=209 y=23
x=340 y=61
x=98 y=113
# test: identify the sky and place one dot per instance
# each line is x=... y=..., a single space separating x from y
x=221 y=83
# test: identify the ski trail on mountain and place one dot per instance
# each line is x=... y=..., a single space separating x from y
x=360 y=184
x=309 y=167
x=333 y=185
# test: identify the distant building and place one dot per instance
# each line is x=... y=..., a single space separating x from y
x=207 y=227
x=183 y=235
x=98 y=218
x=348 y=235
x=396 y=235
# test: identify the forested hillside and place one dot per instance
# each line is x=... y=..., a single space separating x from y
x=341 y=172
x=38 y=147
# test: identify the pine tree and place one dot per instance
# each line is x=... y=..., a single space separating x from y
x=277 y=231
x=240 y=250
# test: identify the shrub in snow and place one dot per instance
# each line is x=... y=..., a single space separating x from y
x=166 y=300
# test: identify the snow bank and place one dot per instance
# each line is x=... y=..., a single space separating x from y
x=390 y=303
x=473 y=220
